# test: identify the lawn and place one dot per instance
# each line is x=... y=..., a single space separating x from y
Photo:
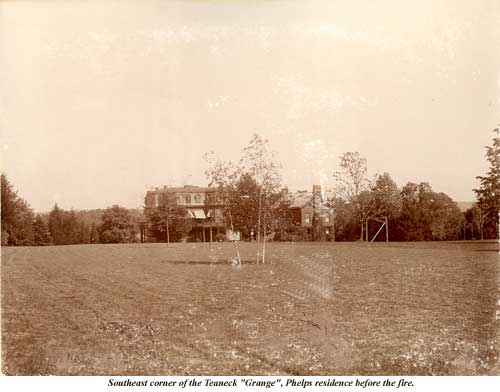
x=312 y=309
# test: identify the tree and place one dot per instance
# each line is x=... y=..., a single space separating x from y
x=488 y=193
x=353 y=186
x=477 y=220
x=386 y=197
x=243 y=202
x=251 y=191
x=446 y=218
x=17 y=216
x=258 y=162
x=427 y=215
x=41 y=233
x=223 y=175
x=56 y=225
x=116 y=226
x=168 y=222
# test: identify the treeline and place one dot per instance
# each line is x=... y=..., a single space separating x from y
x=22 y=227
x=414 y=213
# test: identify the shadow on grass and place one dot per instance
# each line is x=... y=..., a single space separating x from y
x=206 y=262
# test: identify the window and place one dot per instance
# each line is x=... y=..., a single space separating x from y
x=327 y=219
x=197 y=199
x=182 y=200
x=188 y=199
x=308 y=219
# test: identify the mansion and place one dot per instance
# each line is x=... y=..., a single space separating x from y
x=308 y=210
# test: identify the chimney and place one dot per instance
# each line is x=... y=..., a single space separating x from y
x=316 y=196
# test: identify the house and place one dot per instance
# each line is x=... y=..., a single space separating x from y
x=311 y=212
x=202 y=206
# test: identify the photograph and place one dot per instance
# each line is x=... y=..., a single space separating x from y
x=194 y=188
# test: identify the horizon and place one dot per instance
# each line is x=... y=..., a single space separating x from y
x=104 y=100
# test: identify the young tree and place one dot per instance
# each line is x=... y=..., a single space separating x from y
x=251 y=191
x=223 y=175
x=488 y=193
x=258 y=162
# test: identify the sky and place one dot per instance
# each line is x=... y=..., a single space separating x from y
x=102 y=100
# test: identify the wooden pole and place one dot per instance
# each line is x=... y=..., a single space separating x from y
x=367 y=239
x=168 y=232
x=386 y=229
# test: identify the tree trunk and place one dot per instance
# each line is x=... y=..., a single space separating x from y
x=258 y=227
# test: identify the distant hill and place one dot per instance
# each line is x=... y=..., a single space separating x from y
x=465 y=205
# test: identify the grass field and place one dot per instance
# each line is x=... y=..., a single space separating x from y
x=336 y=308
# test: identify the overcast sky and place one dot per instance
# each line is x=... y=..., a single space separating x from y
x=101 y=100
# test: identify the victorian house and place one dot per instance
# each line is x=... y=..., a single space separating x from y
x=201 y=205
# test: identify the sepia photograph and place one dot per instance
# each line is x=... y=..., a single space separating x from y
x=250 y=188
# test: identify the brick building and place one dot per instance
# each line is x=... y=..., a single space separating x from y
x=310 y=211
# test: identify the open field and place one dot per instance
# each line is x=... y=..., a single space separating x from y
x=335 y=308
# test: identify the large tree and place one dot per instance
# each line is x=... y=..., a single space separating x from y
x=427 y=215
x=117 y=226
x=488 y=193
x=17 y=216
x=353 y=186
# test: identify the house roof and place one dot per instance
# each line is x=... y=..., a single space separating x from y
x=183 y=189
x=300 y=199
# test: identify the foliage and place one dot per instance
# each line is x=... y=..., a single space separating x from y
x=427 y=215
x=251 y=192
x=354 y=187
x=41 y=233
x=414 y=213
x=488 y=193
x=117 y=226
x=168 y=221
x=352 y=177
x=386 y=197
x=17 y=216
